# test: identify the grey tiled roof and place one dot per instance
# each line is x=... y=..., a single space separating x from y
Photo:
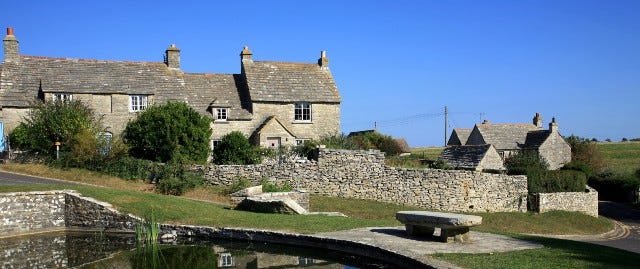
x=504 y=136
x=459 y=136
x=468 y=157
x=535 y=138
x=208 y=91
x=289 y=82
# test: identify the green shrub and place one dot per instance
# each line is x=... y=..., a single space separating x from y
x=175 y=179
x=613 y=186
x=18 y=138
x=586 y=151
x=268 y=186
x=241 y=183
x=523 y=162
x=542 y=181
x=578 y=166
x=338 y=141
x=162 y=131
x=234 y=148
x=376 y=140
x=307 y=149
x=132 y=169
x=440 y=164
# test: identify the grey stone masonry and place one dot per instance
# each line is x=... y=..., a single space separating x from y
x=363 y=175
x=453 y=227
x=31 y=212
x=585 y=202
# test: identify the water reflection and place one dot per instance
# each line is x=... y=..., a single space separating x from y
x=82 y=250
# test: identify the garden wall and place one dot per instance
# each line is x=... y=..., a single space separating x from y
x=363 y=174
x=585 y=202
x=43 y=211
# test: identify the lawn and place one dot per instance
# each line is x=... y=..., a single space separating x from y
x=137 y=198
x=622 y=157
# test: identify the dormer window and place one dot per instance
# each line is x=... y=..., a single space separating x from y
x=62 y=97
x=302 y=112
x=221 y=114
x=138 y=103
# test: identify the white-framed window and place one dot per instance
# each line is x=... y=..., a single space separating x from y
x=138 y=103
x=62 y=97
x=300 y=141
x=225 y=260
x=221 y=114
x=302 y=112
x=104 y=142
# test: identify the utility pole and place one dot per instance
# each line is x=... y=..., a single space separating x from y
x=446 y=124
x=375 y=125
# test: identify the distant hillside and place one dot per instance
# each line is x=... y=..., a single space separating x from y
x=622 y=157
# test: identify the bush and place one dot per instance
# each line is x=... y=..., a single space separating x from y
x=240 y=184
x=132 y=169
x=615 y=187
x=176 y=179
x=234 y=148
x=525 y=161
x=578 y=166
x=585 y=151
x=47 y=123
x=541 y=181
x=375 y=140
x=268 y=186
x=338 y=141
x=162 y=132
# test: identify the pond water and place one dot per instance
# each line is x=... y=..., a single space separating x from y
x=95 y=250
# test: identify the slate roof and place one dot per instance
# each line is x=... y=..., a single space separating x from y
x=535 y=138
x=468 y=157
x=208 y=91
x=504 y=136
x=459 y=136
x=289 y=82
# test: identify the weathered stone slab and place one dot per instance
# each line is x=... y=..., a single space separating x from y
x=453 y=227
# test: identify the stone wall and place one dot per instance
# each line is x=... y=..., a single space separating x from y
x=363 y=175
x=585 y=202
x=29 y=212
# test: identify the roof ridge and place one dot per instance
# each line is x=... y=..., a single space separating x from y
x=86 y=60
x=301 y=63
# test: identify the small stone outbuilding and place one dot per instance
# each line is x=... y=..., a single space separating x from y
x=472 y=157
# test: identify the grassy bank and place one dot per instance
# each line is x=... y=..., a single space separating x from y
x=621 y=157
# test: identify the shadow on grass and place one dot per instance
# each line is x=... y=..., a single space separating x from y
x=557 y=253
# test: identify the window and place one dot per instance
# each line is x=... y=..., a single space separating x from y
x=225 y=260
x=214 y=143
x=302 y=112
x=221 y=114
x=305 y=261
x=137 y=103
x=62 y=97
x=300 y=141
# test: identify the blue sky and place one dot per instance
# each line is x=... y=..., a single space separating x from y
x=397 y=63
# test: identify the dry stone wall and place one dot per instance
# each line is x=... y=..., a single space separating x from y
x=363 y=175
x=585 y=202
x=29 y=212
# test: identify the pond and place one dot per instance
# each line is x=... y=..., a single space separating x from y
x=98 y=250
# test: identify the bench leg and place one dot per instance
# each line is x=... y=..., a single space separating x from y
x=419 y=230
x=460 y=235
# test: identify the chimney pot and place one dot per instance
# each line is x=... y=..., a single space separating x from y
x=323 y=62
x=9 y=31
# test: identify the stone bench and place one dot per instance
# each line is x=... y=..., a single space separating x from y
x=453 y=227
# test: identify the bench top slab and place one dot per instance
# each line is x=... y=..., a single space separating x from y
x=437 y=219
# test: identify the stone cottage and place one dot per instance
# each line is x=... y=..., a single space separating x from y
x=472 y=157
x=273 y=103
x=509 y=139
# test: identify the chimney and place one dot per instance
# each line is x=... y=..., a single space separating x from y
x=553 y=125
x=537 y=120
x=323 y=62
x=11 y=53
x=172 y=57
x=485 y=122
x=245 y=55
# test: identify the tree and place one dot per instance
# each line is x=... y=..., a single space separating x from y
x=524 y=162
x=585 y=151
x=234 y=148
x=167 y=131
x=51 y=122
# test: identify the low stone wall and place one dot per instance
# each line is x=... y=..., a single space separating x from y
x=43 y=211
x=363 y=175
x=585 y=202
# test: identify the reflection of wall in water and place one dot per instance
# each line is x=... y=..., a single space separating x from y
x=228 y=258
x=59 y=250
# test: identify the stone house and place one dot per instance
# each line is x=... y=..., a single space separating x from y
x=509 y=139
x=273 y=103
x=472 y=157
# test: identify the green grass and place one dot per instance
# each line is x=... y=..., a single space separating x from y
x=428 y=153
x=621 y=157
x=171 y=209
x=556 y=253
